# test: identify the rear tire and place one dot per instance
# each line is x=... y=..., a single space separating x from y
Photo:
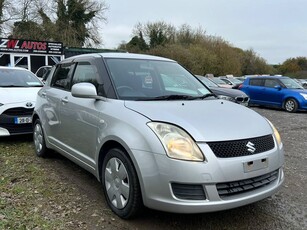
x=291 y=105
x=120 y=184
x=39 y=140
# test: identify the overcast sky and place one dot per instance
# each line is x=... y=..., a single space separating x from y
x=275 y=29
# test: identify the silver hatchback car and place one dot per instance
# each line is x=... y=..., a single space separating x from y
x=155 y=136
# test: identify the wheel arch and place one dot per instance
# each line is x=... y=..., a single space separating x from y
x=110 y=144
x=290 y=97
x=34 y=118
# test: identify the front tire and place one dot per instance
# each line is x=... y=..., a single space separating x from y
x=291 y=105
x=39 y=140
x=120 y=184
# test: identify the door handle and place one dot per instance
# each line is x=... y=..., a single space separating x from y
x=64 y=100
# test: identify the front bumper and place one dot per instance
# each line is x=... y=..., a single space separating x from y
x=16 y=121
x=159 y=175
x=303 y=105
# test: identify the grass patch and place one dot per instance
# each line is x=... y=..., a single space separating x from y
x=30 y=196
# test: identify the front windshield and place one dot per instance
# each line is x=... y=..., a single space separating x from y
x=207 y=82
x=18 y=78
x=218 y=81
x=151 y=79
x=290 y=83
x=235 y=80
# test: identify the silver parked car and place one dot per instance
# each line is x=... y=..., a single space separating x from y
x=154 y=135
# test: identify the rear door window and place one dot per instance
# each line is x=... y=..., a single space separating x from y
x=256 y=82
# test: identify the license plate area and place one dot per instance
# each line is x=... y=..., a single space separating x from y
x=255 y=165
x=22 y=120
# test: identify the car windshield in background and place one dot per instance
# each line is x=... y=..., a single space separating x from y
x=217 y=80
x=234 y=80
x=207 y=82
x=154 y=80
x=290 y=83
x=18 y=78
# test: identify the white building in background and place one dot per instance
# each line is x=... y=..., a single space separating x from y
x=30 y=54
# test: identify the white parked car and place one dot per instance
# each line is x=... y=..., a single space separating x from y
x=18 y=89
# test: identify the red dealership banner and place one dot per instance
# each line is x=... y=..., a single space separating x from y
x=30 y=46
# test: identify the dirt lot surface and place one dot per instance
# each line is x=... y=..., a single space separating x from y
x=54 y=193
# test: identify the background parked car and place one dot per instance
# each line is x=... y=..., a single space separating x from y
x=220 y=82
x=232 y=81
x=154 y=135
x=277 y=91
x=233 y=95
x=18 y=89
x=42 y=72
x=242 y=78
x=303 y=82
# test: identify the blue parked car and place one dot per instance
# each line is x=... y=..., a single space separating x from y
x=275 y=91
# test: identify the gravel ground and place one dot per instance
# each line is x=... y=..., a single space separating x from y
x=76 y=201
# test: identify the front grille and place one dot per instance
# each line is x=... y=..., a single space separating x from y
x=238 y=148
x=189 y=191
x=18 y=111
x=236 y=187
x=7 y=120
x=18 y=128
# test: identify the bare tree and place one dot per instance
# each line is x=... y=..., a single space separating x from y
x=73 y=22
x=8 y=15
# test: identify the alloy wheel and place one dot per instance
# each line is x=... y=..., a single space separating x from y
x=290 y=105
x=38 y=138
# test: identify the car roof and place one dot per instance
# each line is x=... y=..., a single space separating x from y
x=269 y=77
x=122 y=55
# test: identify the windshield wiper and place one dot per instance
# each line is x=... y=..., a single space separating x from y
x=176 y=97
x=167 y=97
x=9 y=86
x=203 y=96
x=20 y=86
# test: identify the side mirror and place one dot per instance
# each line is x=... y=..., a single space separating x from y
x=278 y=87
x=85 y=90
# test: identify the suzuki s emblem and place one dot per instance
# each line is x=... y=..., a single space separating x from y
x=250 y=147
x=29 y=104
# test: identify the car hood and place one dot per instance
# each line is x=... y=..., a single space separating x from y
x=228 y=92
x=208 y=120
x=18 y=94
x=297 y=90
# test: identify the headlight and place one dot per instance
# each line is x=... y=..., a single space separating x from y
x=276 y=133
x=176 y=142
x=225 y=98
x=304 y=95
